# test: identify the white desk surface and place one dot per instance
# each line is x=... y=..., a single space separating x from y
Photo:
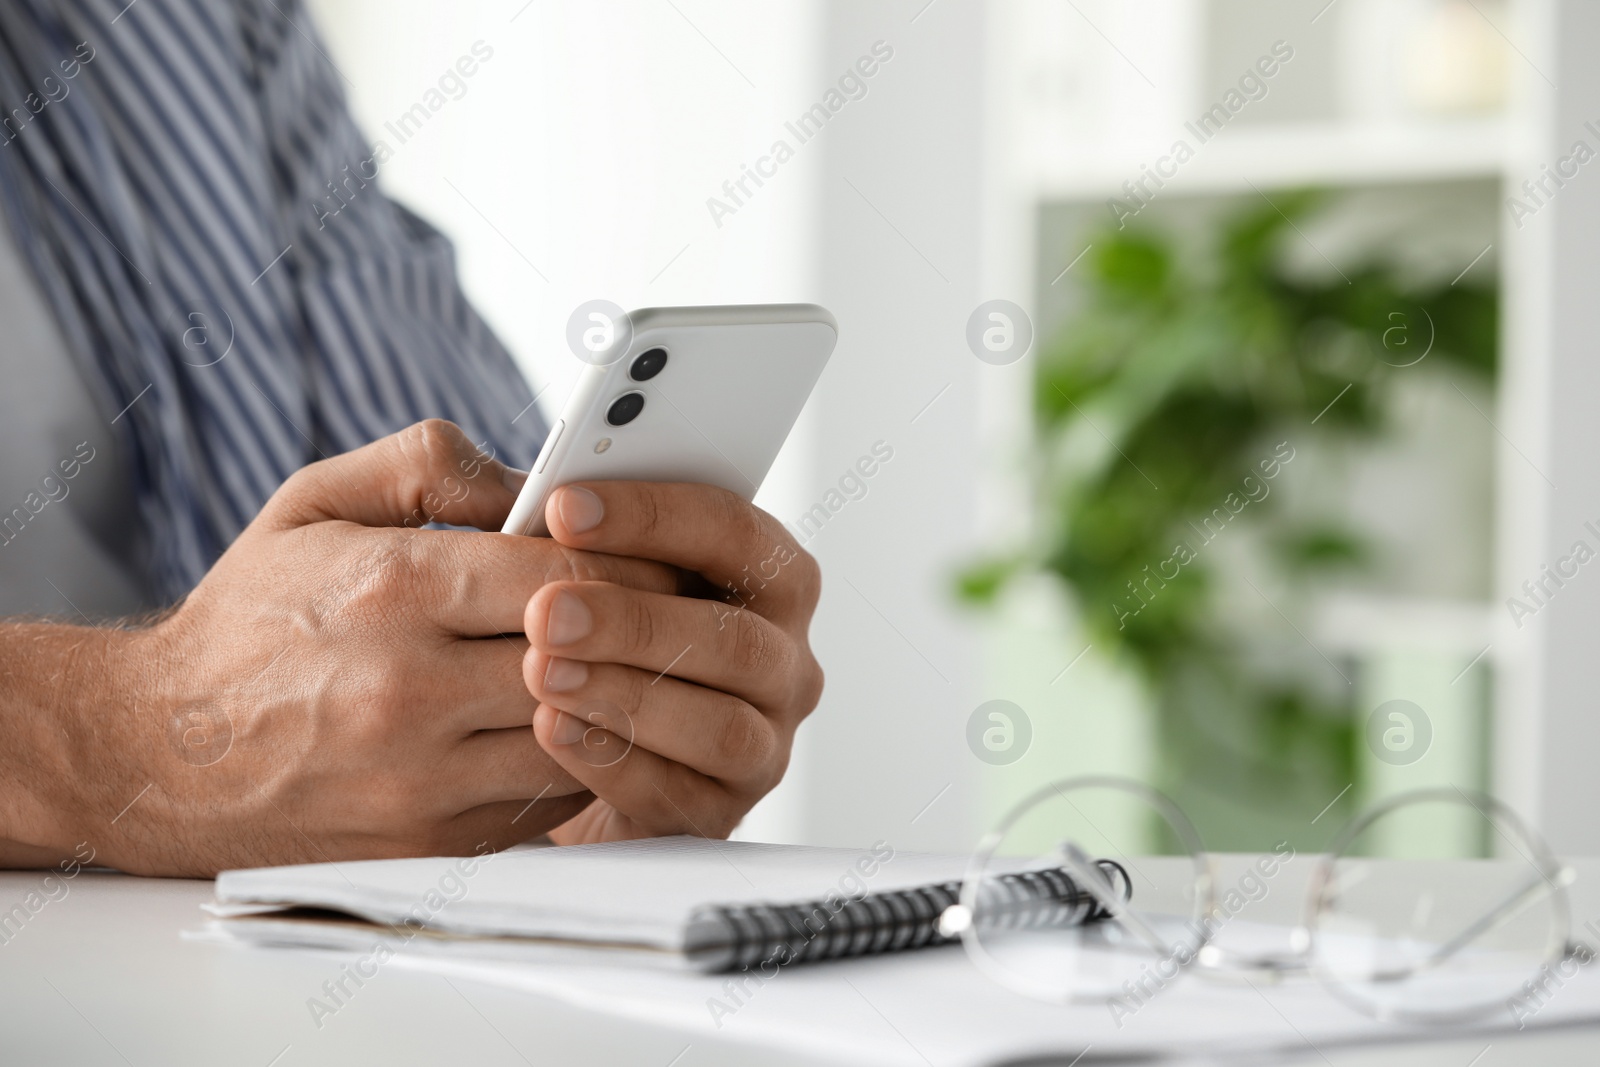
x=100 y=976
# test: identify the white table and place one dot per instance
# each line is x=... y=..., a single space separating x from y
x=100 y=976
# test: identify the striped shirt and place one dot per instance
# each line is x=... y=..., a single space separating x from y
x=165 y=167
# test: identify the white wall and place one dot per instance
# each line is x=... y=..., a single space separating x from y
x=898 y=260
x=1548 y=735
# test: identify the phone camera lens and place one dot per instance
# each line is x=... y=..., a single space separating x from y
x=648 y=365
x=625 y=408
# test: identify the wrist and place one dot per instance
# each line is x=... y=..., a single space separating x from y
x=73 y=702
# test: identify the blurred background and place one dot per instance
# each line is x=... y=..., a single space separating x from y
x=1238 y=491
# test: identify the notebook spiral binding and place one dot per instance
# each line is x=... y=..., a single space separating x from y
x=777 y=935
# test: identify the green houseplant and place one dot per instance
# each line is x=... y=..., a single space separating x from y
x=1175 y=394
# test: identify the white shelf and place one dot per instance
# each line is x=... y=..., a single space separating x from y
x=1362 y=624
x=1271 y=157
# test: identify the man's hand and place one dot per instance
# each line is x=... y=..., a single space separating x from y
x=338 y=686
x=677 y=713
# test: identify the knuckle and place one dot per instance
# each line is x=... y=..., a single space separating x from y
x=649 y=512
x=293 y=503
x=741 y=519
x=745 y=741
x=635 y=692
x=568 y=564
x=811 y=686
x=780 y=763
x=374 y=585
x=457 y=592
x=638 y=625
x=755 y=650
x=808 y=577
x=397 y=573
x=764 y=776
x=436 y=438
x=301 y=481
x=577 y=565
x=431 y=448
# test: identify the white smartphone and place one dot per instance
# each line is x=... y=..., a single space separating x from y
x=684 y=394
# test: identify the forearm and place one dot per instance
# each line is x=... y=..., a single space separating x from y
x=63 y=691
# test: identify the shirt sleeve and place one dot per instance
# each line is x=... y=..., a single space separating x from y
x=390 y=337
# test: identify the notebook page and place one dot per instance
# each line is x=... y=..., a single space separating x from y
x=935 y=1009
x=633 y=891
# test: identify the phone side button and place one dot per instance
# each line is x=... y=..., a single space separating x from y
x=549 y=446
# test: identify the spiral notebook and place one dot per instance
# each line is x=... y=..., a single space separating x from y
x=681 y=901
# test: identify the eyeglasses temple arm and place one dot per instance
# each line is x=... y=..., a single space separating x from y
x=1508 y=908
x=1092 y=878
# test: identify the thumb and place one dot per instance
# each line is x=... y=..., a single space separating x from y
x=428 y=472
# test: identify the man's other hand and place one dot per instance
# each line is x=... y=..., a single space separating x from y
x=677 y=712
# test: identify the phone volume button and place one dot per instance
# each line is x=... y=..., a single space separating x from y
x=549 y=446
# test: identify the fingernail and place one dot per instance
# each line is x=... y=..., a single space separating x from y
x=581 y=510
x=569 y=730
x=513 y=479
x=564 y=674
x=569 y=620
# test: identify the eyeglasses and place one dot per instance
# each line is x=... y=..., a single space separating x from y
x=1437 y=940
